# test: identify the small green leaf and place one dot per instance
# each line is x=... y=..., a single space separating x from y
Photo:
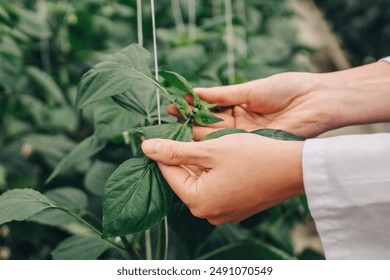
x=277 y=134
x=136 y=197
x=81 y=247
x=88 y=147
x=201 y=104
x=177 y=81
x=205 y=118
x=182 y=105
x=173 y=131
x=223 y=132
x=21 y=204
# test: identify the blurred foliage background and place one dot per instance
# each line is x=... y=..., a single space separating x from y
x=362 y=25
x=45 y=47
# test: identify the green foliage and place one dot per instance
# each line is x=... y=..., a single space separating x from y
x=19 y=205
x=223 y=132
x=81 y=247
x=136 y=197
x=45 y=49
x=368 y=22
x=127 y=70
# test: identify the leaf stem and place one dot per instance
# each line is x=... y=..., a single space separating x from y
x=148 y=245
x=130 y=250
x=162 y=240
x=88 y=225
x=217 y=251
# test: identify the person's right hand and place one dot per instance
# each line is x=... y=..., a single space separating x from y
x=304 y=104
x=285 y=101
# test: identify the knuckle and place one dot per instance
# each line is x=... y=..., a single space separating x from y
x=207 y=150
x=215 y=222
x=199 y=212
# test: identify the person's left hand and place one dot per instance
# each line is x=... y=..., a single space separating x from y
x=230 y=178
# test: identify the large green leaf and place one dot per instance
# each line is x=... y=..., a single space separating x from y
x=67 y=197
x=277 y=134
x=223 y=132
x=97 y=176
x=173 y=131
x=88 y=147
x=111 y=120
x=144 y=104
x=81 y=247
x=177 y=81
x=136 y=197
x=125 y=71
x=21 y=204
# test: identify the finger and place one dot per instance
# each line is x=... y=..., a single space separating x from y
x=226 y=95
x=200 y=132
x=181 y=182
x=172 y=110
x=172 y=152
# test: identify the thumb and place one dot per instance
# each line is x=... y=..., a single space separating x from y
x=171 y=152
x=226 y=95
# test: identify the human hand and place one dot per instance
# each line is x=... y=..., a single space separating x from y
x=287 y=101
x=304 y=104
x=230 y=178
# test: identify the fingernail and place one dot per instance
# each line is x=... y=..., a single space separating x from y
x=151 y=147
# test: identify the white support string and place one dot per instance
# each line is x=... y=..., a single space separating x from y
x=148 y=239
x=158 y=106
x=229 y=41
x=139 y=23
x=155 y=59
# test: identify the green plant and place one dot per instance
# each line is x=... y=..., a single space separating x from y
x=40 y=127
x=136 y=195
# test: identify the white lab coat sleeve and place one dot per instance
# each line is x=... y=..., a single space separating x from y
x=387 y=59
x=347 y=183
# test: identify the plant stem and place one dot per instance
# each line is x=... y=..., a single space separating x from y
x=148 y=245
x=162 y=240
x=88 y=225
x=130 y=250
x=217 y=251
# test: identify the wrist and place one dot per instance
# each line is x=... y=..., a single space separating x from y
x=361 y=95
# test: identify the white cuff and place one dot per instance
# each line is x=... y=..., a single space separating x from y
x=347 y=183
x=387 y=59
